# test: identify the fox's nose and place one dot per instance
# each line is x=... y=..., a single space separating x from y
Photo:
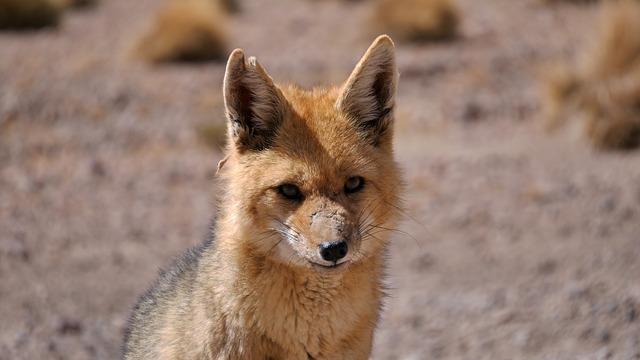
x=333 y=251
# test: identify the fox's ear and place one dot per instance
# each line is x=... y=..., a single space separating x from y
x=368 y=96
x=254 y=105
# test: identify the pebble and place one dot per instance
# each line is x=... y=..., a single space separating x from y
x=608 y=204
x=69 y=327
x=15 y=248
x=423 y=262
x=603 y=335
x=631 y=314
x=471 y=112
x=97 y=168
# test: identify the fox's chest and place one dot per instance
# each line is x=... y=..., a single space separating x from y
x=307 y=322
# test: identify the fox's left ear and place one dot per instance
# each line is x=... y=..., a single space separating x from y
x=254 y=104
x=368 y=96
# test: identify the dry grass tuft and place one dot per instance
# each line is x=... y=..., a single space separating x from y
x=567 y=1
x=232 y=6
x=603 y=86
x=65 y=4
x=417 y=20
x=28 y=14
x=185 y=30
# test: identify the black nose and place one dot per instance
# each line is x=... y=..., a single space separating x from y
x=333 y=251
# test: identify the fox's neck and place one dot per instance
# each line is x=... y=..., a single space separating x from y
x=296 y=301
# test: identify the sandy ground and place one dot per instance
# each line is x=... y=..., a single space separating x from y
x=520 y=245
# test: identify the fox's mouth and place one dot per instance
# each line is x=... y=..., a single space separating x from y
x=332 y=267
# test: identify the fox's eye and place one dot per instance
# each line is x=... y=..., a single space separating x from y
x=353 y=184
x=290 y=192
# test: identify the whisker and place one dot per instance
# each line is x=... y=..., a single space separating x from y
x=273 y=247
x=372 y=211
x=380 y=229
x=403 y=212
x=289 y=227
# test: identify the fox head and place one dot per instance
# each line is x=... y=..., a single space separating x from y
x=311 y=179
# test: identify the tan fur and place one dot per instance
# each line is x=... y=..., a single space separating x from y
x=603 y=86
x=262 y=290
x=185 y=30
x=417 y=20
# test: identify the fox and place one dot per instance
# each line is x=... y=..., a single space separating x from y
x=294 y=266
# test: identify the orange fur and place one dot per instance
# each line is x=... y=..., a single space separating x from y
x=263 y=289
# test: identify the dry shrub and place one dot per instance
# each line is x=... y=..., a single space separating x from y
x=603 y=86
x=185 y=30
x=567 y=1
x=64 y=4
x=232 y=6
x=417 y=20
x=577 y=1
x=28 y=14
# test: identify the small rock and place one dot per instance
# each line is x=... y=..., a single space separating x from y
x=91 y=350
x=586 y=333
x=16 y=248
x=69 y=327
x=572 y=191
x=608 y=204
x=417 y=322
x=603 y=335
x=627 y=214
x=471 y=112
x=97 y=168
x=505 y=316
x=566 y=230
x=631 y=314
x=423 y=262
x=547 y=267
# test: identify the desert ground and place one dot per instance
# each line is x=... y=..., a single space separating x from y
x=517 y=243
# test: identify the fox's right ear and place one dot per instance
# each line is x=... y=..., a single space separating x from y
x=368 y=96
x=254 y=105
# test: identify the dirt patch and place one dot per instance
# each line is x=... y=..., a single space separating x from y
x=521 y=244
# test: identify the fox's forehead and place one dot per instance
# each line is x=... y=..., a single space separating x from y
x=316 y=143
x=316 y=121
x=316 y=104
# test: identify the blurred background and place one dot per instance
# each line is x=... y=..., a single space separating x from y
x=517 y=124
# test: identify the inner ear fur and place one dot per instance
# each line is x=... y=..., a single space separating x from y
x=255 y=106
x=368 y=96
